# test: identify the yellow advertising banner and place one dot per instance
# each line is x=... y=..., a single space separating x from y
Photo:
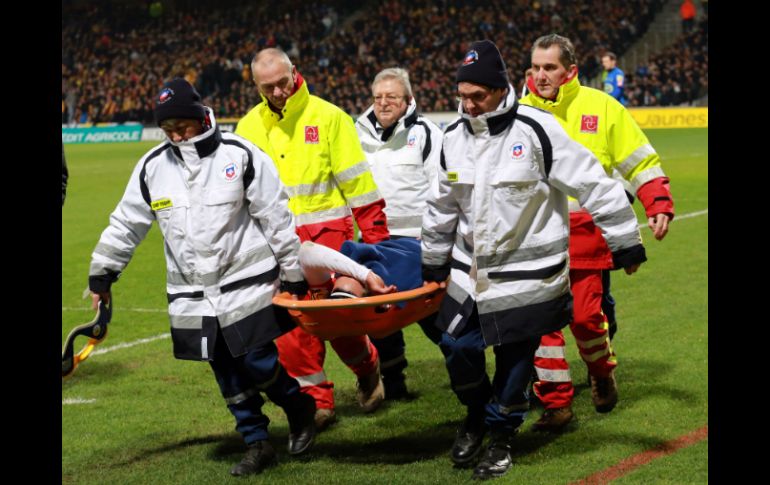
x=671 y=117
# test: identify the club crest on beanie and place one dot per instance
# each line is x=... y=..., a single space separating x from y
x=483 y=65
x=178 y=99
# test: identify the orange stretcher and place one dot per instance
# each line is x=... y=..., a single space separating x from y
x=376 y=316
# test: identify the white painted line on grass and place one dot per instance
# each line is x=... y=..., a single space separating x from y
x=126 y=345
x=140 y=310
x=683 y=216
x=76 y=400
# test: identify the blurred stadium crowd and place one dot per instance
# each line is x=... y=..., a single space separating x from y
x=115 y=56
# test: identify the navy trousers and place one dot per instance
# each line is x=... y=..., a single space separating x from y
x=241 y=380
x=505 y=401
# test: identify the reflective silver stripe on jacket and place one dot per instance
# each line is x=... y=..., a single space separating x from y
x=431 y=236
x=524 y=298
x=113 y=252
x=404 y=222
x=253 y=306
x=316 y=188
x=646 y=176
x=519 y=255
x=633 y=160
x=614 y=218
x=361 y=200
x=186 y=322
x=456 y=292
x=183 y=279
x=250 y=258
x=352 y=172
x=627 y=240
x=322 y=216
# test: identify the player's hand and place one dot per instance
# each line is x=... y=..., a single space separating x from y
x=441 y=284
x=659 y=225
x=377 y=286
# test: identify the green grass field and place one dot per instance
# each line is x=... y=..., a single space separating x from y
x=137 y=415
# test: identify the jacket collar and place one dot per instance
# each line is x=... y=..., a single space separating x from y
x=204 y=144
x=369 y=120
x=495 y=121
x=567 y=92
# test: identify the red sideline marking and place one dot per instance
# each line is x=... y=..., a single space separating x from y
x=633 y=462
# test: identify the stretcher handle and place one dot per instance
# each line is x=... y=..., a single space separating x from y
x=285 y=300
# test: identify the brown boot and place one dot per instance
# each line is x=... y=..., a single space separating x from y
x=554 y=419
x=323 y=418
x=604 y=392
x=371 y=391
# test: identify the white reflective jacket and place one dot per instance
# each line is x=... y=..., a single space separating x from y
x=404 y=160
x=501 y=217
x=228 y=237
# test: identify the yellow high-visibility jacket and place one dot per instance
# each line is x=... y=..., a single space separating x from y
x=319 y=158
x=603 y=125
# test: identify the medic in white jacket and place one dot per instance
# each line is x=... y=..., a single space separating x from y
x=229 y=237
x=501 y=221
x=404 y=161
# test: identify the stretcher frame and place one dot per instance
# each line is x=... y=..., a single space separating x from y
x=377 y=316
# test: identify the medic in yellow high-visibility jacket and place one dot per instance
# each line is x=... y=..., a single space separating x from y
x=601 y=124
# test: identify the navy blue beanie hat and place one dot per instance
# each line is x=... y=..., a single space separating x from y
x=178 y=99
x=483 y=65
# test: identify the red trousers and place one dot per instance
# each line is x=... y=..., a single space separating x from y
x=589 y=327
x=303 y=354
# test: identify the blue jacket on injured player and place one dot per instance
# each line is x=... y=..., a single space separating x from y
x=359 y=269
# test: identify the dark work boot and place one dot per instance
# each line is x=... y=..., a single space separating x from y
x=497 y=459
x=302 y=429
x=470 y=436
x=259 y=456
x=395 y=386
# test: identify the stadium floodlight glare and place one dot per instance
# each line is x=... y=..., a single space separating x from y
x=95 y=330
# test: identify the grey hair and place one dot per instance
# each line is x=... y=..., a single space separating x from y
x=268 y=55
x=567 y=49
x=397 y=73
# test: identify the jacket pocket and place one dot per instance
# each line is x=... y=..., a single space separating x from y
x=224 y=195
x=172 y=221
x=515 y=184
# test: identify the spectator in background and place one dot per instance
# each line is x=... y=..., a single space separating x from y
x=315 y=147
x=403 y=150
x=613 y=77
x=617 y=141
x=224 y=263
x=687 y=13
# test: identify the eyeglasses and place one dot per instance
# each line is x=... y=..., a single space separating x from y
x=388 y=98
